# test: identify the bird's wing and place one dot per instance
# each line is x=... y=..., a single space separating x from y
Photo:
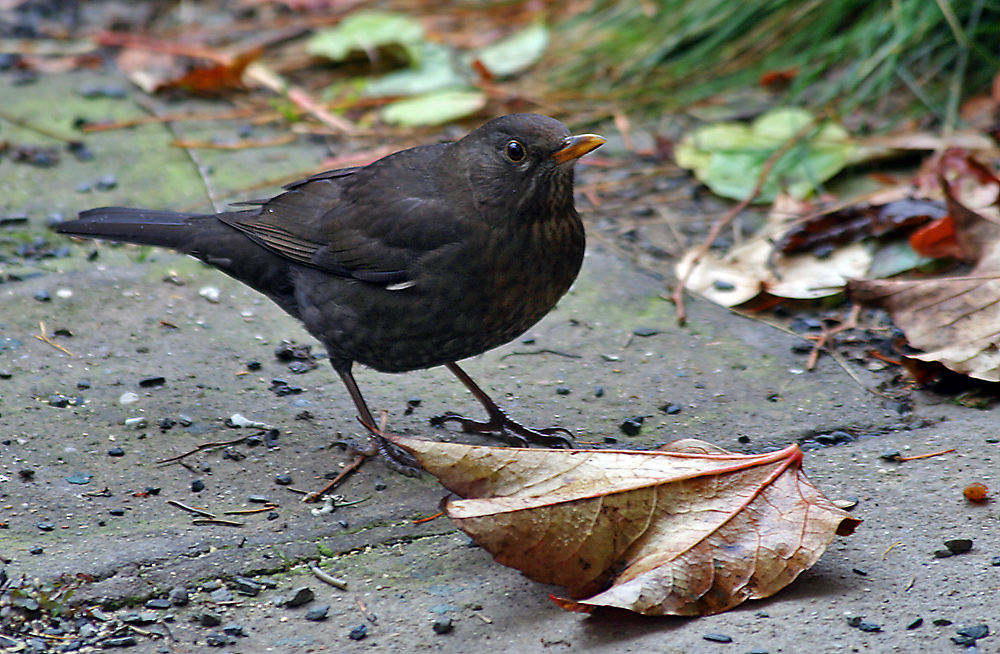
x=319 y=223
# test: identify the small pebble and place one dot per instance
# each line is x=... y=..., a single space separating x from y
x=718 y=638
x=209 y=619
x=46 y=526
x=722 y=285
x=645 y=331
x=178 y=596
x=975 y=632
x=59 y=401
x=758 y=650
x=916 y=624
x=598 y=391
x=158 y=603
x=671 y=409
x=380 y=485
x=995 y=561
x=106 y=182
x=43 y=296
x=358 y=632
x=150 y=382
x=35 y=550
x=246 y=586
x=870 y=627
x=128 y=398
x=215 y=639
x=443 y=625
x=258 y=499
x=859 y=571
x=943 y=554
x=942 y=622
x=563 y=390
x=632 y=426
x=136 y=423
x=318 y=613
x=283 y=479
x=233 y=629
x=300 y=596
x=221 y=596
x=890 y=455
x=958 y=545
x=197 y=486
x=116 y=512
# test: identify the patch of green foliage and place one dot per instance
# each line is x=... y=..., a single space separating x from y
x=847 y=53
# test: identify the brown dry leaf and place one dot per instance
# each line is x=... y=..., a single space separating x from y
x=692 y=530
x=955 y=320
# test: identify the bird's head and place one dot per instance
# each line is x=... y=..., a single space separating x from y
x=520 y=166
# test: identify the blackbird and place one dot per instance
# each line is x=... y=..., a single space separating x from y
x=422 y=258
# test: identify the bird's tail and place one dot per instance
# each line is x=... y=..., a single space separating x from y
x=140 y=226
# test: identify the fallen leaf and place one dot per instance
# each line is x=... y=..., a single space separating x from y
x=729 y=157
x=692 y=530
x=434 y=108
x=747 y=270
x=514 y=54
x=367 y=32
x=955 y=320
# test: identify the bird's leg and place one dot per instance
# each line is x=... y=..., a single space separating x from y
x=395 y=457
x=499 y=423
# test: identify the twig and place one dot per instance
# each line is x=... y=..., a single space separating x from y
x=44 y=337
x=21 y=122
x=890 y=548
x=266 y=507
x=429 y=518
x=243 y=144
x=364 y=609
x=925 y=456
x=191 y=509
x=323 y=576
x=354 y=465
x=677 y=297
x=568 y=355
x=203 y=446
x=216 y=521
x=264 y=76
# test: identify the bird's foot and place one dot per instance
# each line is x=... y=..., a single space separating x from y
x=502 y=426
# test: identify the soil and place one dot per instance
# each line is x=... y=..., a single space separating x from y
x=86 y=406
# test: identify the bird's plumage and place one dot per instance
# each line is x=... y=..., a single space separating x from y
x=427 y=256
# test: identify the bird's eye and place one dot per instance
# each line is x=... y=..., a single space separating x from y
x=514 y=151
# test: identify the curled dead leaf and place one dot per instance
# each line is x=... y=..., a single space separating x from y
x=692 y=530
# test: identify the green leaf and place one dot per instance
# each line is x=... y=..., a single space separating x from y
x=434 y=71
x=433 y=108
x=367 y=31
x=514 y=54
x=729 y=157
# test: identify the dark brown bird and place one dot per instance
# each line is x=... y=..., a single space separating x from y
x=425 y=257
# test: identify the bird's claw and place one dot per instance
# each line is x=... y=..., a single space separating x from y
x=504 y=427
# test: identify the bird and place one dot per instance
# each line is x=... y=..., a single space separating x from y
x=422 y=258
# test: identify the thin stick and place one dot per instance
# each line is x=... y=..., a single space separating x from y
x=44 y=337
x=203 y=446
x=330 y=579
x=266 y=507
x=191 y=509
x=926 y=456
x=429 y=518
x=354 y=465
x=216 y=521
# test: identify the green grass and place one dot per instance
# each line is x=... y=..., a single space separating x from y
x=926 y=55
